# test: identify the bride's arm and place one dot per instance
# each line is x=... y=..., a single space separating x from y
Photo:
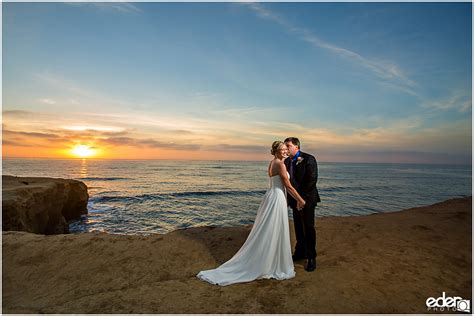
x=286 y=182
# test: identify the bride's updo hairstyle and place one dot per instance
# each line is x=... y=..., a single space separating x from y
x=275 y=146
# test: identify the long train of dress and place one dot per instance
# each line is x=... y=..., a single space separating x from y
x=267 y=251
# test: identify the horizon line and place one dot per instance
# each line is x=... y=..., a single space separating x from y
x=239 y=160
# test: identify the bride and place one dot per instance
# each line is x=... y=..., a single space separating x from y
x=267 y=251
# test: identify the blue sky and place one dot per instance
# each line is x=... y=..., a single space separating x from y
x=373 y=82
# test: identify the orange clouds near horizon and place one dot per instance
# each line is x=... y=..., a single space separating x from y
x=42 y=135
x=132 y=153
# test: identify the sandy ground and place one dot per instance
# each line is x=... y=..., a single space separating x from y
x=384 y=263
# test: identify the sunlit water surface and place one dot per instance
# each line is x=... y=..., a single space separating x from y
x=158 y=196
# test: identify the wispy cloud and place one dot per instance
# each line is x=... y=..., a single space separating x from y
x=145 y=143
x=257 y=149
x=249 y=113
x=137 y=133
x=66 y=136
x=47 y=136
x=118 y=6
x=13 y=143
x=47 y=101
x=83 y=128
x=78 y=93
x=460 y=101
x=61 y=83
x=30 y=139
x=18 y=113
x=383 y=70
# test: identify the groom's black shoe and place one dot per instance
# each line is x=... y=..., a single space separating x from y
x=310 y=265
x=297 y=257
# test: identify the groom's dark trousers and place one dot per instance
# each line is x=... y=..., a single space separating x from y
x=303 y=177
x=305 y=231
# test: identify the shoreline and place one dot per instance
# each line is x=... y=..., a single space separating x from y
x=249 y=225
x=378 y=263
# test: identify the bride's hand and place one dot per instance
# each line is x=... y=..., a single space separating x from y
x=300 y=205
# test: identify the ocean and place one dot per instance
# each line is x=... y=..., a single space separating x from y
x=157 y=196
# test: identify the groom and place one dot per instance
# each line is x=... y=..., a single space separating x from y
x=303 y=170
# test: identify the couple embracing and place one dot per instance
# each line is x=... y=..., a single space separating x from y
x=267 y=251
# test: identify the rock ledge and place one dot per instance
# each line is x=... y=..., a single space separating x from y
x=42 y=205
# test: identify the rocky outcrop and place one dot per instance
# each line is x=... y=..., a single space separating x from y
x=42 y=205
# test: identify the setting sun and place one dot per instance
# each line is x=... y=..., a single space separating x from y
x=83 y=151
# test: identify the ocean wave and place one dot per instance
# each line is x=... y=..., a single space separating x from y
x=186 y=194
x=102 y=179
x=216 y=193
x=335 y=189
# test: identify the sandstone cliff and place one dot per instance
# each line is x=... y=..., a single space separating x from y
x=382 y=263
x=42 y=205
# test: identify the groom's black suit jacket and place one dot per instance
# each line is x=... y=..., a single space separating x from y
x=304 y=179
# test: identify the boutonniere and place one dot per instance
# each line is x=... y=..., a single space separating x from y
x=299 y=160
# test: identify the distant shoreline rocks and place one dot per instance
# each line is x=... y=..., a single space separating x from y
x=42 y=205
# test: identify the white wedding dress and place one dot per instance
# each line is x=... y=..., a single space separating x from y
x=267 y=251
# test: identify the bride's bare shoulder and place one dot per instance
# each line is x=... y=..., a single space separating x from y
x=280 y=165
x=271 y=167
x=272 y=163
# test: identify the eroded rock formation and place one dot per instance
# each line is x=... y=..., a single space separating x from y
x=42 y=205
